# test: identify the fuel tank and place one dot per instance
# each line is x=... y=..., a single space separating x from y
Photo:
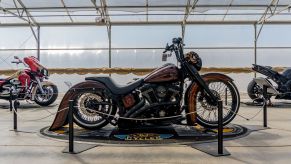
x=166 y=73
x=287 y=73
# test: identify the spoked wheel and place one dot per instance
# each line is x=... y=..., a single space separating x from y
x=48 y=97
x=255 y=92
x=92 y=110
x=207 y=112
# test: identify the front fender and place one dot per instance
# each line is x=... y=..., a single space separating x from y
x=61 y=116
x=191 y=93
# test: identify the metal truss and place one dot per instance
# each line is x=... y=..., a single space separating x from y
x=190 y=7
x=229 y=6
x=68 y=13
x=270 y=11
x=23 y=14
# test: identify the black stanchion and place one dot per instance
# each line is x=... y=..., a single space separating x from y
x=265 y=95
x=10 y=100
x=215 y=148
x=75 y=148
x=13 y=107
x=71 y=127
x=220 y=128
x=16 y=103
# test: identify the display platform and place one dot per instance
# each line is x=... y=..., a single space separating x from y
x=148 y=135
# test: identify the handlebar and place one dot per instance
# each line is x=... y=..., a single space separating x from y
x=16 y=62
x=177 y=47
x=175 y=41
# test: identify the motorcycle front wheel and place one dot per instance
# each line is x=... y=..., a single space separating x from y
x=206 y=112
x=92 y=110
x=48 y=97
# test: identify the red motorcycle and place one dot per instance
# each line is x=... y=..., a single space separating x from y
x=29 y=84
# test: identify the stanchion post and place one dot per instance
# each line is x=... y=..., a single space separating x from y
x=213 y=148
x=75 y=148
x=15 y=115
x=10 y=100
x=220 y=127
x=71 y=127
x=265 y=95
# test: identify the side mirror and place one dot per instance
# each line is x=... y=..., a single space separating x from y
x=16 y=57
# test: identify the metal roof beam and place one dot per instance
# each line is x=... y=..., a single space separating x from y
x=31 y=21
x=227 y=10
x=273 y=12
x=67 y=11
x=51 y=24
x=29 y=16
x=190 y=7
x=152 y=6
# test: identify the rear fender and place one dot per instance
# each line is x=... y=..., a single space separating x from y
x=61 y=116
x=193 y=89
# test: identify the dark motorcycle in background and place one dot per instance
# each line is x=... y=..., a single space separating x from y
x=161 y=98
x=29 y=84
x=282 y=83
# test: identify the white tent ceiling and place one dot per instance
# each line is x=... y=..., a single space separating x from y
x=123 y=12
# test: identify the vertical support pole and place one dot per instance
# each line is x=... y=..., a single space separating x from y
x=10 y=100
x=38 y=43
x=183 y=30
x=16 y=103
x=255 y=47
x=183 y=26
x=109 y=38
x=71 y=127
x=220 y=127
x=265 y=95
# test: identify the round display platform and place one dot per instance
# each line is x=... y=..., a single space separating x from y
x=148 y=135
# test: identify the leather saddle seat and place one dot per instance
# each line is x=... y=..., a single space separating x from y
x=3 y=79
x=115 y=88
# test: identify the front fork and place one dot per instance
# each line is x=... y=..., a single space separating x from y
x=196 y=77
x=33 y=87
x=39 y=85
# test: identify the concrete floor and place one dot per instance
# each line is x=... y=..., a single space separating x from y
x=266 y=146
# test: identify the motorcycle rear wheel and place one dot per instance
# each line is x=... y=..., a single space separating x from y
x=255 y=92
x=86 y=107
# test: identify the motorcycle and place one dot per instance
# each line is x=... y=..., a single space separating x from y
x=282 y=83
x=29 y=83
x=161 y=98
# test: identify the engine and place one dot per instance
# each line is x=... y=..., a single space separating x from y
x=11 y=85
x=164 y=98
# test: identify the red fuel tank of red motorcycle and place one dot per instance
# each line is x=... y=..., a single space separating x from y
x=166 y=73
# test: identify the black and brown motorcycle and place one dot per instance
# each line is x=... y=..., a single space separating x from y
x=161 y=98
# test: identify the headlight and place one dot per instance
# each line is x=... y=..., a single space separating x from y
x=194 y=59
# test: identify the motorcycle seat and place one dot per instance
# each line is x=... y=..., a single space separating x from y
x=116 y=88
x=3 y=79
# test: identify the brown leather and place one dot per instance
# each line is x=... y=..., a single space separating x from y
x=61 y=116
x=192 y=94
